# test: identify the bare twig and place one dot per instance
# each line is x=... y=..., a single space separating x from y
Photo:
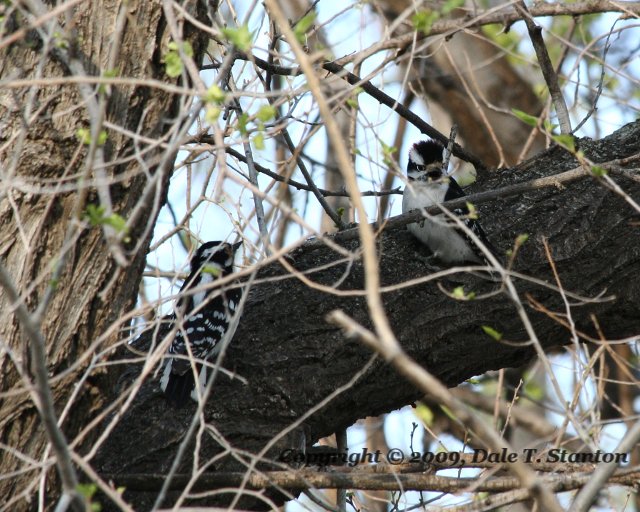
x=478 y=198
x=307 y=176
x=43 y=397
x=587 y=495
x=432 y=387
x=449 y=147
x=354 y=478
x=550 y=76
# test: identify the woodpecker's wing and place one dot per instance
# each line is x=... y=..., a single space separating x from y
x=455 y=192
x=203 y=331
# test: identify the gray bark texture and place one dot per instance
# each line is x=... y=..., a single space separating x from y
x=43 y=201
x=292 y=358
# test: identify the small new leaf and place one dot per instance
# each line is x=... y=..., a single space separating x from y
x=424 y=414
x=459 y=294
x=211 y=269
x=451 y=5
x=94 y=214
x=473 y=213
x=422 y=21
x=524 y=117
x=239 y=37
x=173 y=64
x=521 y=239
x=496 y=335
x=211 y=114
x=258 y=141
x=302 y=27
x=598 y=171
x=566 y=141
x=117 y=222
x=84 y=134
x=266 y=113
x=243 y=119
x=387 y=152
x=214 y=95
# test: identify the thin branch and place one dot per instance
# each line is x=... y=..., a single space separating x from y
x=375 y=93
x=394 y=354
x=550 y=76
x=253 y=178
x=586 y=497
x=207 y=139
x=43 y=396
x=478 y=198
x=307 y=176
x=449 y=147
x=356 y=479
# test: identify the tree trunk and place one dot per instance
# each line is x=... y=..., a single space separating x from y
x=293 y=359
x=43 y=201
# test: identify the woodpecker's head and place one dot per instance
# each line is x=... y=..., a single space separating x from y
x=215 y=256
x=425 y=161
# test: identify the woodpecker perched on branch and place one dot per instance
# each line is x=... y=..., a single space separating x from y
x=429 y=185
x=203 y=313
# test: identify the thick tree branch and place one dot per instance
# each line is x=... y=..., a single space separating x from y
x=292 y=359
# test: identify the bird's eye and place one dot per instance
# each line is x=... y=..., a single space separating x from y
x=421 y=167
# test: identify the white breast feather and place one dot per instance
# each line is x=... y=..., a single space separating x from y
x=435 y=232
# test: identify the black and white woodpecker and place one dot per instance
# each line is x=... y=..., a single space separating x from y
x=203 y=314
x=428 y=185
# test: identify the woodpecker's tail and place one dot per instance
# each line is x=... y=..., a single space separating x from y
x=177 y=387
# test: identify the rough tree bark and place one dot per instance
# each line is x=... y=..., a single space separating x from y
x=293 y=359
x=93 y=291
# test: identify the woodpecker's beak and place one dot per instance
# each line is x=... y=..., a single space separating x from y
x=236 y=246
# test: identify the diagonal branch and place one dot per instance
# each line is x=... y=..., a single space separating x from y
x=44 y=397
x=550 y=76
x=432 y=387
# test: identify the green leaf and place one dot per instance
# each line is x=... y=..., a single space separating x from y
x=521 y=239
x=524 y=117
x=302 y=27
x=598 y=171
x=566 y=140
x=422 y=21
x=214 y=270
x=243 y=119
x=533 y=390
x=214 y=95
x=94 y=214
x=496 y=335
x=459 y=294
x=102 y=137
x=173 y=64
x=549 y=126
x=87 y=490
x=211 y=114
x=473 y=213
x=424 y=414
x=266 y=113
x=387 y=152
x=187 y=48
x=84 y=134
x=117 y=222
x=451 y=5
x=258 y=141
x=239 y=37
